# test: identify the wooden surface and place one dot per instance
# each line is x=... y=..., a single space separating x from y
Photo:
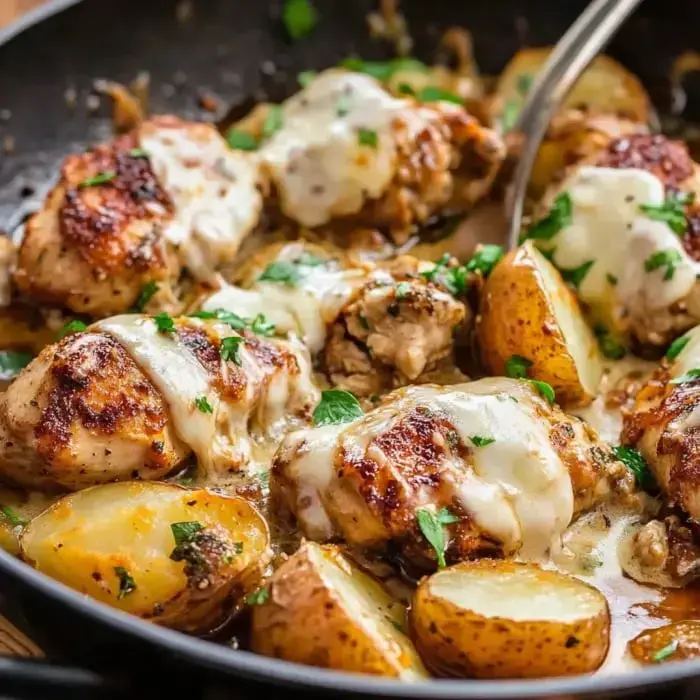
x=11 y=9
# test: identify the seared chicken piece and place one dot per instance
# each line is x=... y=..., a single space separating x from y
x=375 y=329
x=348 y=150
x=167 y=196
x=512 y=468
x=126 y=400
x=622 y=225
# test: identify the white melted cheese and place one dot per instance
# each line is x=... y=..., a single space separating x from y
x=316 y=160
x=610 y=229
x=214 y=190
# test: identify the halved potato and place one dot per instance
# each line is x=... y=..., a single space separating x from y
x=117 y=543
x=527 y=310
x=324 y=611
x=500 y=619
x=680 y=640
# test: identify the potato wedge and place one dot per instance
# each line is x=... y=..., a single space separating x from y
x=324 y=611
x=179 y=557
x=527 y=310
x=680 y=640
x=500 y=619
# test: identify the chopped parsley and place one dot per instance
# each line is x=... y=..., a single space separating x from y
x=241 y=140
x=485 y=259
x=228 y=317
x=186 y=531
x=99 y=179
x=383 y=70
x=403 y=289
x=12 y=361
x=259 y=597
x=203 y=405
x=367 y=137
x=363 y=321
x=691 y=375
x=273 y=121
x=127 y=584
x=479 y=441
x=299 y=17
x=637 y=465
x=261 y=326
x=517 y=366
x=145 y=295
x=289 y=272
x=337 y=406
x=306 y=77
x=672 y=211
x=432 y=524
x=165 y=323
x=559 y=217
x=665 y=652
x=436 y=94
x=575 y=275
x=342 y=106
x=677 y=346
x=406 y=89
x=611 y=279
x=667 y=259
x=230 y=349
x=12 y=517
x=544 y=389
x=610 y=346
x=138 y=153
x=454 y=279
x=74 y=326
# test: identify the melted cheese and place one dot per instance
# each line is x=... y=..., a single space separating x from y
x=610 y=229
x=316 y=159
x=689 y=357
x=516 y=489
x=214 y=190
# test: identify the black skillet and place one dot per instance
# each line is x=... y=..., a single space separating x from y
x=225 y=48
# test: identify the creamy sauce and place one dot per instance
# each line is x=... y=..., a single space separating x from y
x=689 y=356
x=317 y=160
x=215 y=192
x=610 y=229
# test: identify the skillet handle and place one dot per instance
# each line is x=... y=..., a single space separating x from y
x=38 y=679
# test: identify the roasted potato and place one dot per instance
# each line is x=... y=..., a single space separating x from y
x=500 y=619
x=680 y=640
x=323 y=611
x=180 y=557
x=527 y=310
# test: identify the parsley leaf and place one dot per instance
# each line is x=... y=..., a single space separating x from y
x=677 y=346
x=305 y=78
x=233 y=320
x=485 y=259
x=406 y=89
x=299 y=17
x=575 y=275
x=273 y=121
x=454 y=279
x=668 y=258
x=342 y=106
x=367 y=137
x=544 y=389
x=259 y=597
x=403 y=289
x=432 y=524
x=672 y=211
x=610 y=346
x=261 y=326
x=241 y=140
x=690 y=376
x=336 y=406
x=12 y=517
x=145 y=295
x=74 y=326
x=517 y=366
x=185 y=531
x=12 y=361
x=99 y=179
x=290 y=272
x=230 y=349
x=559 y=217
x=138 y=153
x=202 y=403
x=611 y=279
x=127 y=584
x=165 y=323
x=637 y=465
x=383 y=70
x=479 y=441
x=665 y=652
x=436 y=94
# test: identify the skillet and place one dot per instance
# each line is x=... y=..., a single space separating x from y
x=222 y=49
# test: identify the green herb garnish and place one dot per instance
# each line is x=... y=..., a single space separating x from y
x=672 y=211
x=665 y=652
x=241 y=140
x=145 y=295
x=165 y=323
x=74 y=326
x=544 y=389
x=12 y=362
x=668 y=259
x=273 y=121
x=337 y=406
x=690 y=376
x=403 y=289
x=289 y=272
x=610 y=346
x=186 y=531
x=202 y=403
x=299 y=17
x=517 y=366
x=342 y=106
x=305 y=78
x=485 y=259
x=383 y=70
x=575 y=275
x=367 y=137
x=230 y=349
x=259 y=597
x=637 y=465
x=138 y=153
x=99 y=179
x=677 y=346
x=611 y=279
x=559 y=217
x=479 y=441
x=436 y=94
x=261 y=326
x=432 y=524
x=127 y=584
x=12 y=517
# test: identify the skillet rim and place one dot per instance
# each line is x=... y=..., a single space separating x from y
x=268 y=671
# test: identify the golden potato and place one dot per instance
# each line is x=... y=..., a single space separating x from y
x=179 y=557
x=501 y=619
x=680 y=640
x=323 y=611
x=527 y=310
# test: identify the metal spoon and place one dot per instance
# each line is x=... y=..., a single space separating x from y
x=570 y=57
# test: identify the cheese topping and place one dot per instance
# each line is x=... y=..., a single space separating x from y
x=214 y=190
x=610 y=229
x=336 y=147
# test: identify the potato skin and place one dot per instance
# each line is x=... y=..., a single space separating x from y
x=685 y=636
x=306 y=619
x=517 y=317
x=85 y=537
x=455 y=642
